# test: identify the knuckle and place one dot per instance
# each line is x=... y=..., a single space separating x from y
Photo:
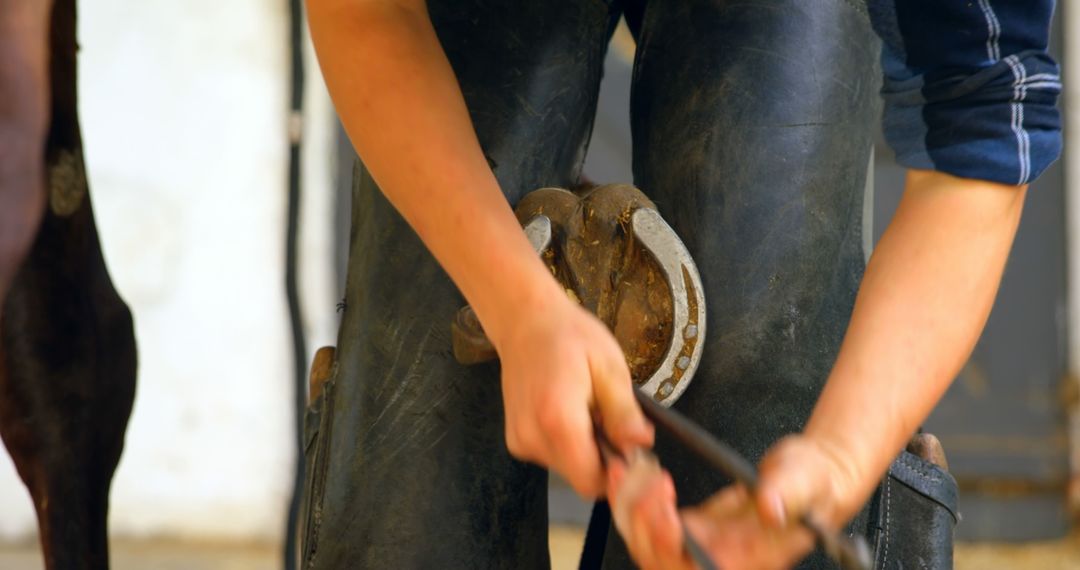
x=552 y=420
x=521 y=443
x=583 y=475
x=513 y=445
x=549 y=403
x=613 y=371
x=639 y=513
x=586 y=486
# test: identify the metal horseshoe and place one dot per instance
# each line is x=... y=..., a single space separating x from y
x=668 y=382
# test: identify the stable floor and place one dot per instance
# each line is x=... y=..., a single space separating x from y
x=565 y=545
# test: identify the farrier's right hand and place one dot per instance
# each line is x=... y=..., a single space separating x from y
x=561 y=367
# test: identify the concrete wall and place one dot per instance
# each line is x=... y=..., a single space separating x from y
x=184 y=108
x=1071 y=158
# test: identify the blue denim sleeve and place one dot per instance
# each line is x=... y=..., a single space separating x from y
x=969 y=86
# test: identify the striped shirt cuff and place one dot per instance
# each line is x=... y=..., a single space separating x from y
x=997 y=123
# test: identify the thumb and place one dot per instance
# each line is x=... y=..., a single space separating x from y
x=620 y=415
x=790 y=483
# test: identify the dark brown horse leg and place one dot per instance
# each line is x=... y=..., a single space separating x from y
x=67 y=349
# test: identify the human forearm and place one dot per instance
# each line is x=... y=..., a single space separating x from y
x=400 y=102
x=401 y=106
x=922 y=305
x=24 y=103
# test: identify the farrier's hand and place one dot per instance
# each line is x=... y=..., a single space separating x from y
x=739 y=531
x=561 y=367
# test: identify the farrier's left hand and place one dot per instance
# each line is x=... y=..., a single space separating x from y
x=739 y=531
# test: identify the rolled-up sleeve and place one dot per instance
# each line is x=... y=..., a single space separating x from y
x=969 y=87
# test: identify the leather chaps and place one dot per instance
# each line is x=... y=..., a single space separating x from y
x=752 y=129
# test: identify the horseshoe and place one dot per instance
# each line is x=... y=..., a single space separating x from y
x=681 y=360
x=679 y=363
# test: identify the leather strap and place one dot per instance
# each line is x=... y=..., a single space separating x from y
x=926 y=479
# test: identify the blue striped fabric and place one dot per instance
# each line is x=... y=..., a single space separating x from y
x=969 y=86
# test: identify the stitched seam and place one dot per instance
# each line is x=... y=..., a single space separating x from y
x=926 y=472
x=1023 y=142
x=993 y=32
x=911 y=468
x=920 y=469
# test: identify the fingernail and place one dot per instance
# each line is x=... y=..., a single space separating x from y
x=635 y=431
x=648 y=428
x=657 y=515
x=671 y=515
x=669 y=487
x=616 y=472
x=778 y=510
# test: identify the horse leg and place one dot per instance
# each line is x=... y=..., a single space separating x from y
x=67 y=349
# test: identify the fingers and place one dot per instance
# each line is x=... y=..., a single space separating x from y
x=630 y=485
x=620 y=415
x=554 y=379
x=661 y=526
x=731 y=501
x=642 y=499
x=560 y=438
x=732 y=532
x=571 y=447
x=547 y=399
x=791 y=481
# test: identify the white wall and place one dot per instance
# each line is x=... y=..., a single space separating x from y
x=184 y=109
